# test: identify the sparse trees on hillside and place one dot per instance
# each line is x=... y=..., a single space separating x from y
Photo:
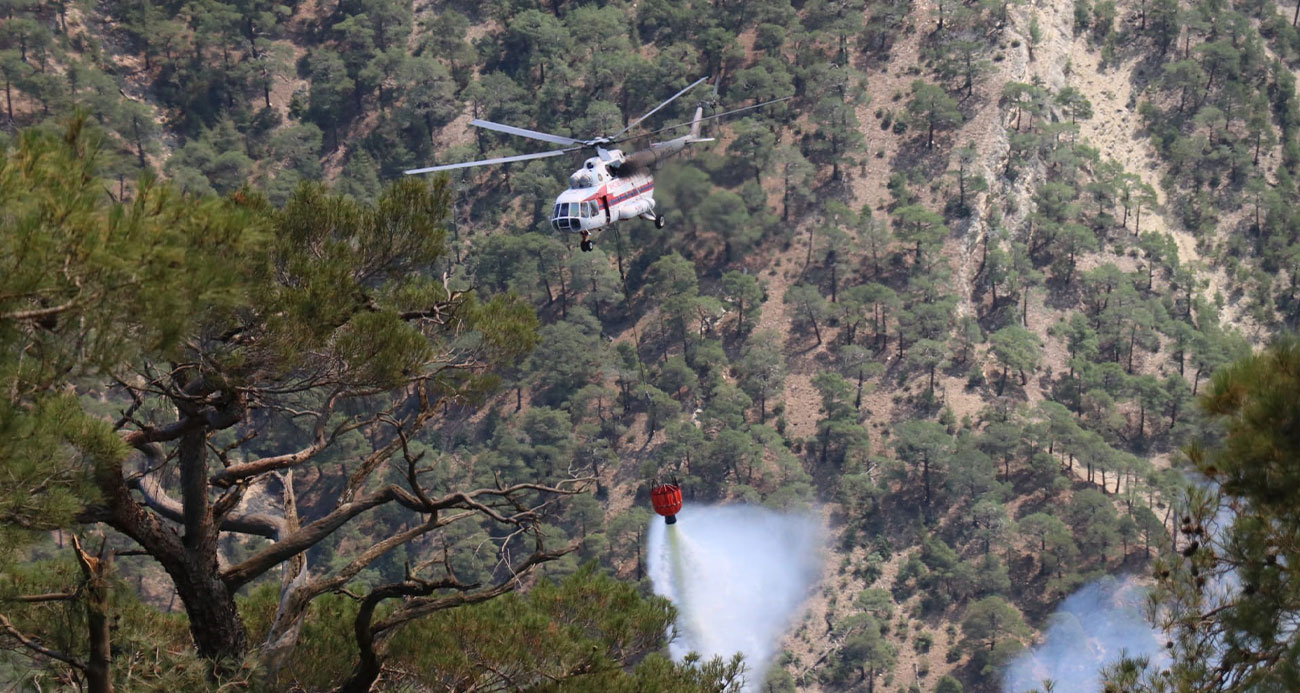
x=809 y=308
x=743 y=294
x=839 y=135
x=762 y=369
x=1255 y=400
x=649 y=359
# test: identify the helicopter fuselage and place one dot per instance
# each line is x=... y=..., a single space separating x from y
x=603 y=192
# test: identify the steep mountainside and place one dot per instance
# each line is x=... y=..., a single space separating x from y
x=955 y=296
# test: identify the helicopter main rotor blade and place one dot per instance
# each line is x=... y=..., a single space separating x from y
x=710 y=117
x=523 y=132
x=656 y=108
x=498 y=160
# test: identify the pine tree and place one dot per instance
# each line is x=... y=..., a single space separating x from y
x=1234 y=634
x=334 y=304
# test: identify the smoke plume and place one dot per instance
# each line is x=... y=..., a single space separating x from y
x=737 y=575
x=1089 y=631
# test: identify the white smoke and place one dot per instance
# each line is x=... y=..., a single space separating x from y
x=737 y=575
x=1088 y=632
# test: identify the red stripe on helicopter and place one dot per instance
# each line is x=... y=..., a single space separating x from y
x=632 y=193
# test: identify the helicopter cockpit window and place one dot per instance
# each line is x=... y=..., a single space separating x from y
x=568 y=216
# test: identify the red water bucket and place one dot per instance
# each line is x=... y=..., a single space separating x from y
x=667 y=501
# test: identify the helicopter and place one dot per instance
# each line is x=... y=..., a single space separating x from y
x=611 y=186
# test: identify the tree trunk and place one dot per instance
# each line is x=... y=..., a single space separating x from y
x=564 y=296
x=215 y=625
x=808 y=259
x=139 y=143
x=191 y=562
x=546 y=284
x=95 y=571
x=925 y=476
x=1132 y=341
x=785 y=201
x=834 y=278
x=368 y=667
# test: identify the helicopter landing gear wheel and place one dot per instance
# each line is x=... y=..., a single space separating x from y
x=660 y=221
x=586 y=245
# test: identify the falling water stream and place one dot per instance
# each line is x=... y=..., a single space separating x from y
x=738 y=575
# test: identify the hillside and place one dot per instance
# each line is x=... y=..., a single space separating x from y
x=955 y=297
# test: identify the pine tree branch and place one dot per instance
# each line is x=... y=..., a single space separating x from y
x=235 y=472
x=38 y=313
x=304 y=538
x=416 y=591
x=35 y=646
x=50 y=597
x=257 y=524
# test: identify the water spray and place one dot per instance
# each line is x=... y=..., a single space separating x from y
x=738 y=575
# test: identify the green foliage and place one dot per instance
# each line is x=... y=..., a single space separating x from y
x=948 y=684
x=151 y=647
x=919 y=226
x=578 y=634
x=932 y=109
x=992 y=631
x=923 y=444
x=1016 y=349
x=124 y=290
x=1246 y=521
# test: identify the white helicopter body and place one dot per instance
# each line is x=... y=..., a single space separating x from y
x=612 y=187
x=598 y=196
